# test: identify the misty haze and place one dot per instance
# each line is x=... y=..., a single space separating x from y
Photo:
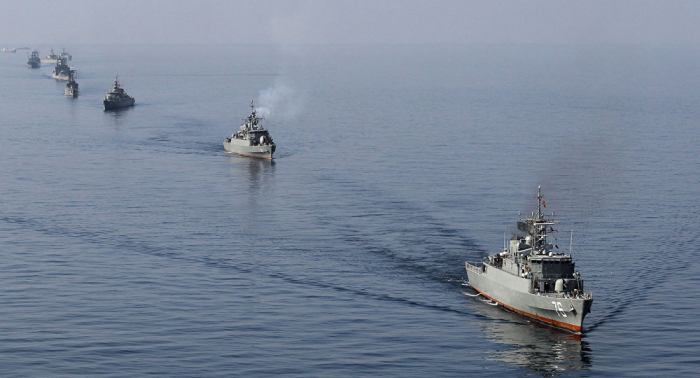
x=349 y=188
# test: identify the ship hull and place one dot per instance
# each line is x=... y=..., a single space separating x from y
x=513 y=293
x=260 y=152
x=60 y=76
x=118 y=104
x=33 y=64
x=71 y=92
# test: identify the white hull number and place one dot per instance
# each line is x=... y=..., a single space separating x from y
x=559 y=308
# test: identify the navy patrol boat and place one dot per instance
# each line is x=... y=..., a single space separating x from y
x=253 y=140
x=34 y=60
x=530 y=278
x=50 y=59
x=117 y=97
x=66 y=54
x=61 y=71
x=72 y=85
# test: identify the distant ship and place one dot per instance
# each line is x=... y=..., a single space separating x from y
x=11 y=51
x=72 y=85
x=34 y=60
x=253 y=140
x=530 y=278
x=117 y=97
x=61 y=71
x=65 y=54
x=50 y=59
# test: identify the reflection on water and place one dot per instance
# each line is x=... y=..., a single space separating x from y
x=542 y=349
x=260 y=173
x=257 y=169
x=73 y=105
x=118 y=115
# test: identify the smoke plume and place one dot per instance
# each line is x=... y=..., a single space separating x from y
x=279 y=101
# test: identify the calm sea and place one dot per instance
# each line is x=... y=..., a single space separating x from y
x=132 y=245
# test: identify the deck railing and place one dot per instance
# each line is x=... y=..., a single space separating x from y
x=473 y=268
x=553 y=294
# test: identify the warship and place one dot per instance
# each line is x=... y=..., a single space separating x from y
x=253 y=140
x=61 y=71
x=65 y=54
x=531 y=279
x=72 y=86
x=50 y=59
x=117 y=97
x=34 y=60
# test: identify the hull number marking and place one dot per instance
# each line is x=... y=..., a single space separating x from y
x=559 y=308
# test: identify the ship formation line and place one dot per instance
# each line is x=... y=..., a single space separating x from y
x=252 y=140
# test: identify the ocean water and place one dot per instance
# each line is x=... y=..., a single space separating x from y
x=131 y=244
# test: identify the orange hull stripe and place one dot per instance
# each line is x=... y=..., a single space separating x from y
x=568 y=326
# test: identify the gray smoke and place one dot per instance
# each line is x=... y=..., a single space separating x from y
x=280 y=101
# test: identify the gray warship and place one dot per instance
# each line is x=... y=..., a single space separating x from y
x=253 y=140
x=34 y=60
x=50 y=59
x=65 y=54
x=530 y=278
x=117 y=97
x=72 y=85
x=62 y=70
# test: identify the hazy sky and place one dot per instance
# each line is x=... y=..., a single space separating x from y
x=60 y=22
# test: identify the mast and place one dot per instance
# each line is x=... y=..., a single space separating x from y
x=539 y=202
x=536 y=226
x=571 y=242
x=252 y=120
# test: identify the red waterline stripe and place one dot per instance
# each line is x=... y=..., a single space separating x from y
x=568 y=326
